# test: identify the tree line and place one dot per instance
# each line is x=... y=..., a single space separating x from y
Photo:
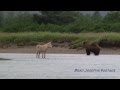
x=60 y=21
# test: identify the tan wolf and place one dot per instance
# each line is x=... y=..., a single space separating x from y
x=41 y=49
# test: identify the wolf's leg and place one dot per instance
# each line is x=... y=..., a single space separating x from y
x=45 y=54
x=39 y=54
x=42 y=55
x=36 y=54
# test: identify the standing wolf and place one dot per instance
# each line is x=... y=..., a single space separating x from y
x=42 y=49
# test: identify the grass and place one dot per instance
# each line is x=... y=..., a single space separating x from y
x=27 y=37
x=76 y=39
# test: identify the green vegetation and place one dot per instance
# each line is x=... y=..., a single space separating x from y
x=75 y=41
x=60 y=21
x=72 y=26
x=29 y=37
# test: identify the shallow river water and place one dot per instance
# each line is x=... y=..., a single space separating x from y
x=59 y=66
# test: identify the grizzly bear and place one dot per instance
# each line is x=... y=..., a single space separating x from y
x=93 y=47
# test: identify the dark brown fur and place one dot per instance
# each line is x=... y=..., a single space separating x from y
x=93 y=47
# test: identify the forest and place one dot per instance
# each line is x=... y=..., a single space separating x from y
x=60 y=21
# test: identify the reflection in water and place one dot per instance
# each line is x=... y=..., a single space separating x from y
x=4 y=59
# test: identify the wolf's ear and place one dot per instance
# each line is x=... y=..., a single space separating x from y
x=50 y=42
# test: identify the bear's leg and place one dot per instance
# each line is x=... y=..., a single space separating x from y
x=97 y=52
x=88 y=52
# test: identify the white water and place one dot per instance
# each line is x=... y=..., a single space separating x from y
x=59 y=66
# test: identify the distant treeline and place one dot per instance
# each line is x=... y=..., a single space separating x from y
x=60 y=21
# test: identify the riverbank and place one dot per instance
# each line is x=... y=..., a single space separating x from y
x=56 y=50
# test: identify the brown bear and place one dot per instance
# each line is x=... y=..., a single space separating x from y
x=93 y=47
